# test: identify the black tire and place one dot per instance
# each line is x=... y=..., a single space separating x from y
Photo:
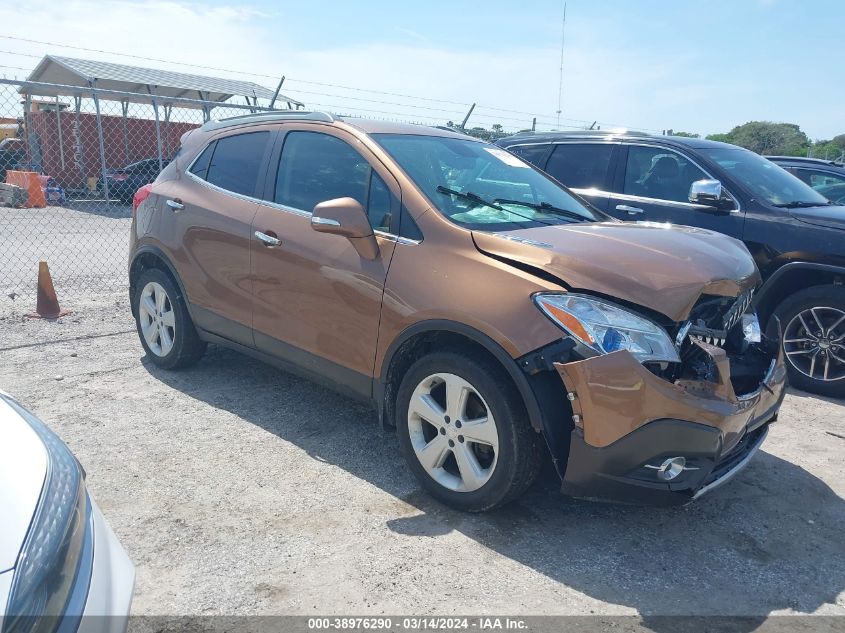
x=827 y=296
x=187 y=347
x=518 y=460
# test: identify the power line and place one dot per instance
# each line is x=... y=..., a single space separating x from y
x=239 y=72
x=540 y=119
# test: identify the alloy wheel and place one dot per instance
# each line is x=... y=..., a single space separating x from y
x=453 y=432
x=157 y=319
x=814 y=343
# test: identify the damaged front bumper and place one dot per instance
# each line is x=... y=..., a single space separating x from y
x=628 y=422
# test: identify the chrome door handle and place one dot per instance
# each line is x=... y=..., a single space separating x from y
x=629 y=210
x=267 y=240
x=176 y=205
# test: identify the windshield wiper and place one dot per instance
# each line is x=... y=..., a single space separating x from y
x=468 y=195
x=545 y=206
x=478 y=200
x=802 y=204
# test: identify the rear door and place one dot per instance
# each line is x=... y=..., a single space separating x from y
x=586 y=168
x=209 y=225
x=652 y=184
x=317 y=301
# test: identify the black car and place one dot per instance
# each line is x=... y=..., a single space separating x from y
x=825 y=176
x=796 y=235
x=124 y=182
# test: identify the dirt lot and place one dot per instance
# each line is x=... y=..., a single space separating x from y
x=239 y=489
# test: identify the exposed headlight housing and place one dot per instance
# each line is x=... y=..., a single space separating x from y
x=53 y=570
x=605 y=328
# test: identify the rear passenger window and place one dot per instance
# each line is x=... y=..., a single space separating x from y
x=236 y=161
x=534 y=154
x=581 y=165
x=315 y=167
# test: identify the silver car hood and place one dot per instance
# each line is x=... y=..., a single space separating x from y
x=23 y=468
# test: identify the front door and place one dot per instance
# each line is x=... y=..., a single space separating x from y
x=652 y=184
x=317 y=302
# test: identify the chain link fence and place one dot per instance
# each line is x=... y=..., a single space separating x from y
x=69 y=167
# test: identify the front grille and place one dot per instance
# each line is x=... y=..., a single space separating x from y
x=735 y=312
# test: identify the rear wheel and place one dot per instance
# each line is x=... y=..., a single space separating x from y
x=813 y=323
x=163 y=323
x=463 y=430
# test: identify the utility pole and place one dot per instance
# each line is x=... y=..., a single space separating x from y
x=560 y=78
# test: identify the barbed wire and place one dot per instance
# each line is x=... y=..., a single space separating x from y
x=543 y=119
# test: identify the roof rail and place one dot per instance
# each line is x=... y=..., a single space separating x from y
x=268 y=116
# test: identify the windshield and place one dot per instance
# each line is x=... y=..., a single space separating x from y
x=481 y=186
x=764 y=179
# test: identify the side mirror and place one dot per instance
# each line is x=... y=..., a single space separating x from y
x=346 y=217
x=707 y=192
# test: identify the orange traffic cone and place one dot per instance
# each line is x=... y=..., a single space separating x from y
x=47 y=306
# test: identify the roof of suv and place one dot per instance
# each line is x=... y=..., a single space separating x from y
x=804 y=160
x=368 y=126
x=601 y=135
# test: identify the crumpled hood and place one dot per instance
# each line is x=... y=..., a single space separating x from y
x=662 y=267
x=830 y=216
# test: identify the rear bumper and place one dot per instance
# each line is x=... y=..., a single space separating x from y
x=627 y=422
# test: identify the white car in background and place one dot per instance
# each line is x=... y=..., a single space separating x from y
x=60 y=562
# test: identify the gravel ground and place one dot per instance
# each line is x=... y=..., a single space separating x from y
x=239 y=489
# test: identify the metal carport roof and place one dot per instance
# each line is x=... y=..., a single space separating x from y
x=86 y=73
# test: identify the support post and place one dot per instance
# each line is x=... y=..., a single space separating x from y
x=78 y=155
x=158 y=127
x=276 y=94
x=59 y=129
x=101 y=141
x=466 y=118
x=168 y=107
x=124 y=106
x=534 y=124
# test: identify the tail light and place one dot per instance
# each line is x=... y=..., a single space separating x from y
x=120 y=176
x=140 y=196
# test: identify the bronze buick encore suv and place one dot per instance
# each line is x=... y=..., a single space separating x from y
x=486 y=311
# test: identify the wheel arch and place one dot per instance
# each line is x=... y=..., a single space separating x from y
x=791 y=277
x=150 y=256
x=424 y=336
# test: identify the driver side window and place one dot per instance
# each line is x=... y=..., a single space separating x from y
x=655 y=172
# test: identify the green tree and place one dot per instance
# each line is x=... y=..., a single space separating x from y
x=686 y=134
x=765 y=137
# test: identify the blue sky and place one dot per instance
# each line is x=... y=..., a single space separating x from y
x=649 y=64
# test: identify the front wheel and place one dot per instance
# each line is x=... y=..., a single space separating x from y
x=464 y=432
x=813 y=322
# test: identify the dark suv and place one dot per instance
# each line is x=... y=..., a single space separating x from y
x=825 y=176
x=796 y=236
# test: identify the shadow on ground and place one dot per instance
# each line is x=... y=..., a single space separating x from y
x=770 y=540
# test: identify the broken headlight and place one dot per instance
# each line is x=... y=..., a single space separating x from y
x=606 y=328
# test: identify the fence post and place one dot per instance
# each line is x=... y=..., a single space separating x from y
x=59 y=127
x=276 y=94
x=466 y=118
x=101 y=141
x=124 y=108
x=158 y=127
x=78 y=156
